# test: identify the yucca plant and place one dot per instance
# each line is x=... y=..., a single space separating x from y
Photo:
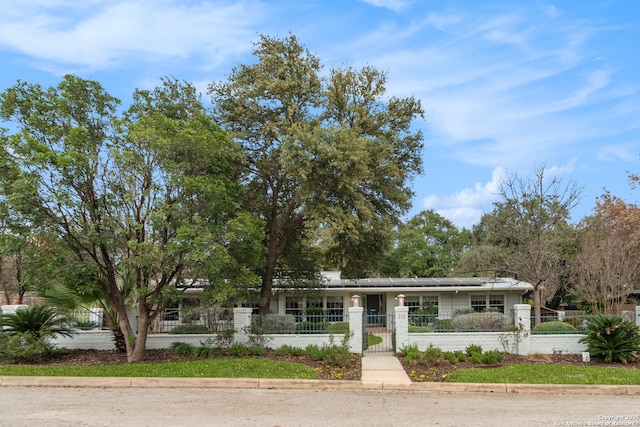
x=41 y=321
x=612 y=339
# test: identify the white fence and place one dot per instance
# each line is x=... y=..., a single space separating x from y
x=522 y=342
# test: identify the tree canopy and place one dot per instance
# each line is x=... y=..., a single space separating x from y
x=148 y=198
x=529 y=232
x=328 y=157
x=429 y=245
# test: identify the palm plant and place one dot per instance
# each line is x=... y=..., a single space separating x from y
x=41 y=321
x=612 y=339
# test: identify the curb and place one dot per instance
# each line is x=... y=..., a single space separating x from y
x=271 y=384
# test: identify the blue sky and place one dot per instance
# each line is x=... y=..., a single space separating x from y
x=506 y=85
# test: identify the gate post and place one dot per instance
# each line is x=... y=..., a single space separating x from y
x=402 y=326
x=355 y=329
x=241 y=324
x=522 y=321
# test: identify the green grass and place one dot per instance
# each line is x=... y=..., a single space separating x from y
x=548 y=374
x=208 y=368
x=373 y=340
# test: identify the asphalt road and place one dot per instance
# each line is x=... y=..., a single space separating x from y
x=50 y=406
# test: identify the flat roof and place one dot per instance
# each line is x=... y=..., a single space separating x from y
x=423 y=283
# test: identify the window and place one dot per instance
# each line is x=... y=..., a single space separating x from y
x=431 y=303
x=335 y=309
x=413 y=302
x=172 y=312
x=293 y=305
x=315 y=309
x=497 y=301
x=314 y=303
x=480 y=303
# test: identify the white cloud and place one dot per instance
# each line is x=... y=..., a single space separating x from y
x=559 y=171
x=395 y=5
x=465 y=207
x=107 y=34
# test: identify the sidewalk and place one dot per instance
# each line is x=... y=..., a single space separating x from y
x=383 y=368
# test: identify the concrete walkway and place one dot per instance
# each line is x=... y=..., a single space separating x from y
x=383 y=368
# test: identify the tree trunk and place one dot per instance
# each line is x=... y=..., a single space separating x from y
x=265 y=290
x=537 y=300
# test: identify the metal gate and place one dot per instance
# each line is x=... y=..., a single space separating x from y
x=379 y=333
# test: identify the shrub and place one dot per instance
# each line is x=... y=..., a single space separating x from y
x=182 y=348
x=257 y=336
x=275 y=323
x=450 y=357
x=296 y=351
x=312 y=327
x=579 y=322
x=204 y=351
x=443 y=325
x=189 y=328
x=334 y=354
x=432 y=354
x=40 y=321
x=612 y=339
x=238 y=349
x=287 y=349
x=256 y=350
x=23 y=347
x=554 y=327
x=409 y=349
x=314 y=352
x=480 y=322
x=338 y=328
x=418 y=329
x=224 y=338
x=460 y=355
x=283 y=350
x=473 y=349
x=337 y=355
x=492 y=357
x=85 y=324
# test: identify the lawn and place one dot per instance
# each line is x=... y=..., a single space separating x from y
x=206 y=368
x=548 y=374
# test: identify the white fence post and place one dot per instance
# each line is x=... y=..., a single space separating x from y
x=402 y=326
x=638 y=315
x=522 y=321
x=241 y=324
x=355 y=329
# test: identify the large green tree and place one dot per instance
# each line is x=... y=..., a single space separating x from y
x=329 y=153
x=148 y=198
x=429 y=245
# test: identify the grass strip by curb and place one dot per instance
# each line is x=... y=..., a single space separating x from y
x=547 y=374
x=207 y=368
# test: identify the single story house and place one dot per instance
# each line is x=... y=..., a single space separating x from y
x=378 y=296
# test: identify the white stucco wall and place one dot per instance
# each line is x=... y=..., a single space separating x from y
x=452 y=341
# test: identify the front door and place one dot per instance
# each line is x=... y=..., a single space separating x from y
x=373 y=310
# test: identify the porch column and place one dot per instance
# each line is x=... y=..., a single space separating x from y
x=402 y=326
x=522 y=321
x=241 y=324
x=355 y=329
